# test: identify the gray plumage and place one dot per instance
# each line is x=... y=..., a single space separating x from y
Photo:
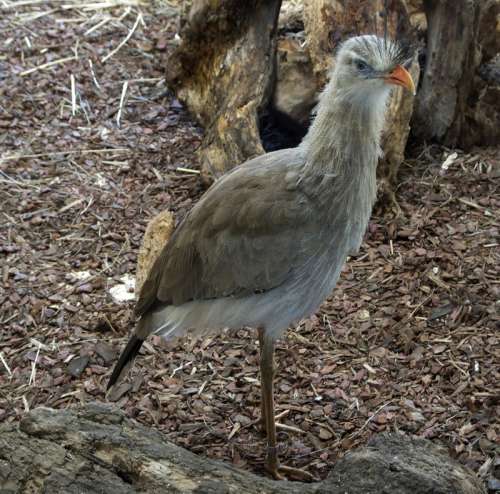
x=266 y=243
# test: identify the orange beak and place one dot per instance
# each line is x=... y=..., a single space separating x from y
x=401 y=77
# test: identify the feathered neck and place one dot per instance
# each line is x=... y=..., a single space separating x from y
x=346 y=132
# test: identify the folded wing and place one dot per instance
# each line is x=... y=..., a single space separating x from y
x=246 y=235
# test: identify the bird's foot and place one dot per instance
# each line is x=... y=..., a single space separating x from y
x=297 y=474
x=282 y=472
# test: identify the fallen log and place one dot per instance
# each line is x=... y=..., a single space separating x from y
x=97 y=449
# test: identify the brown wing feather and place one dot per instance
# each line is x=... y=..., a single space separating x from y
x=246 y=234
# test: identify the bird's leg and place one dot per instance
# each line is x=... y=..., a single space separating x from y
x=260 y=332
x=267 y=377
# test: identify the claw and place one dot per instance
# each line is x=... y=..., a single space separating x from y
x=274 y=473
x=298 y=473
x=289 y=472
x=276 y=470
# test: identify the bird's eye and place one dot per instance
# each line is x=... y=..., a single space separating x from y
x=361 y=65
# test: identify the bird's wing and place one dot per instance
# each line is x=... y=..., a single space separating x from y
x=246 y=235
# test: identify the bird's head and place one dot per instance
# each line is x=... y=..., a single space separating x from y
x=368 y=66
x=350 y=115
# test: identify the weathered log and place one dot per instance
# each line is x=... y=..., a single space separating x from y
x=483 y=112
x=458 y=103
x=482 y=115
x=97 y=450
x=451 y=62
x=223 y=71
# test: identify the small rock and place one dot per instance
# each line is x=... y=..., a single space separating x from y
x=136 y=383
x=416 y=416
x=440 y=312
x=439 y=349
x=325 y=434
x=107 y=353
x=116 y=392
x=77 y=365
x=78 y=275
x=242 y=419
x=85 y=288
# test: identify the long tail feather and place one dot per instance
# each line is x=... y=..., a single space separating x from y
x=125 y=361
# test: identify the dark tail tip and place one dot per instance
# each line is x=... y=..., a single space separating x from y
x=126 y=358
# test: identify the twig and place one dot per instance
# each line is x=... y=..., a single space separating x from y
x=38 y=15
x=129 y=35
x=466 y=374
x=122 y=100
x=202 y=387
x=470 y=203
x=475 y=206
x=75 y=49
x=181 y=367
x=94 y=78
x=33 y=367
x=187 y=170
x=413 y=312
x=145 y=79
x=56 y=153
x=127 y=12
x=47 y=65
x=289 y=428
x=157 y=174
x=317 y=397
x=6 y=365
x=369 y=419
x=235 y=429
x=97 y=26
x=23 y=3
x=70 y=205
x=83 y=105
x=11 y=180
x=73 y=95
x=34 y=341
x=282 y=414
x=110 y=4
x=26 y=404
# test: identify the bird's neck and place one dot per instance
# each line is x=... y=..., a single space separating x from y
x=344 y=138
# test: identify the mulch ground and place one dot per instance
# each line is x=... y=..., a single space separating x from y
x=93 y=146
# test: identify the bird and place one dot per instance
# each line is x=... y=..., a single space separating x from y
x=265 y=244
